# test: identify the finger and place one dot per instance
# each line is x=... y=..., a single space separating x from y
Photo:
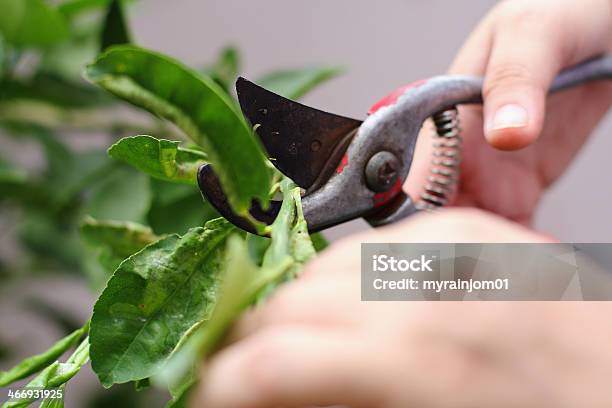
x=291 y=367
x=474 y=53
x=461 y=225
x=327 y=302
x=523 y=62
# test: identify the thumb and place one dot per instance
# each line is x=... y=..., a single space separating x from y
x=521 y=67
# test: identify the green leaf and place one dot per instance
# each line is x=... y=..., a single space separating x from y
x=159 y=158
x=153 y=298
x=294 y=84
x=198 y=106
x=55 y=375
x=27 y=23
x=237 y=279
x=124 y=195
x=114 y=241
x=37 y=362
x=114 y=30
x=243 y=284
x=225 y=70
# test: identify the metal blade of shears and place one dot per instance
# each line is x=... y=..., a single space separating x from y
x=304 y=143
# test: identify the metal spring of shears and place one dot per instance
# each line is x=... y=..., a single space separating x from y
x=444 y=172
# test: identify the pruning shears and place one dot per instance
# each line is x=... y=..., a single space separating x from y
x=350 y=168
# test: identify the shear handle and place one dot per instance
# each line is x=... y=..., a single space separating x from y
x=395 y=128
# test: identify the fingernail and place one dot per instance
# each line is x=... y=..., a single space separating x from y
x=509 y=116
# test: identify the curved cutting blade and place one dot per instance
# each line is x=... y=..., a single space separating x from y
x=302 y=142
x=211 y=190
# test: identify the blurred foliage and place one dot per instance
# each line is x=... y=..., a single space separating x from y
x=5 y=351
x=81 y=211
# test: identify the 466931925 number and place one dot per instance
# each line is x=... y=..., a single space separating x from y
x=35 y=393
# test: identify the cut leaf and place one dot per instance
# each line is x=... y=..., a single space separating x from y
x=153 y=298
x=294 y=84
x=31 y=23
x=159 y=158
x=198 y=106
x=37 y=362
x=114 y=30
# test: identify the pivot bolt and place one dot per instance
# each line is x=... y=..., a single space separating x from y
x=382 y=171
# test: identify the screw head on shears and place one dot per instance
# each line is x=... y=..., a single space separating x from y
x=382 y=171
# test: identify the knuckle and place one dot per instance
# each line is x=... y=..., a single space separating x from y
x=506 y=75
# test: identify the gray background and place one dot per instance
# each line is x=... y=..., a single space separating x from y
x=383 y=44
